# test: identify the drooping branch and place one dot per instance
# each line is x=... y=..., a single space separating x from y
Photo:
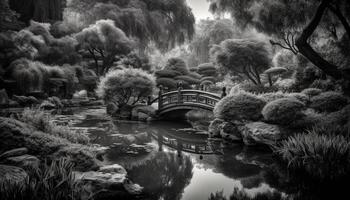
x=305 y=48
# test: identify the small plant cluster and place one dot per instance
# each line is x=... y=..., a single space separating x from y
x=43 y=121
x=53 y=181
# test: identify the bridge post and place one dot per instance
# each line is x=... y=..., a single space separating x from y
x=223 y=94
x=179 y=95
x=160 y=99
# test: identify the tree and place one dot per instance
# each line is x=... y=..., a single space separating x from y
x=326 y=18
x=105 y=41
x=126 y=87
x=208 y=33
x=245 y=58
x=38 y=10
x=174 y=72
x=165 y=23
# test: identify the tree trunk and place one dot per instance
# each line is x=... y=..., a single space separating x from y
x=306 y=50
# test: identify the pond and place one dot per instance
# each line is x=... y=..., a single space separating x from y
x=181 y=165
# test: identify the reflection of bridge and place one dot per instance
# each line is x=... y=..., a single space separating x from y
x=183 y=145
x=186 y=100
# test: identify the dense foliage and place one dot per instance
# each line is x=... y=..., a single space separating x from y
x=239 y=106
x=126 y=87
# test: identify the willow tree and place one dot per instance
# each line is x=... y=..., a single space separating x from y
x=245 y=58
x=208 y=33
x=165 y=23
x=297 y=26
x=103 y=40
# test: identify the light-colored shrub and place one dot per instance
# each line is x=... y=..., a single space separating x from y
x=328 y=102
x=271 y=96
x=126 y=87
x=240 y=106
x=283 y=111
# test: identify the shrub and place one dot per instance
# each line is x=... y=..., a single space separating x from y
x=44 y=122
x=239 y=106
x=320 y=156
x=328 y=102
x=190 y=80
x=324 y=85
x=271 y=96
x=167 y=73
x=167 y=83
x=283 y=111
x=311 y=92
x=257 y=89
x=27 y=75
x=126 y=87
x=299 y=96
x=54 y=181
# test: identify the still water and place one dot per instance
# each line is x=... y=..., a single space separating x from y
x=180 y=165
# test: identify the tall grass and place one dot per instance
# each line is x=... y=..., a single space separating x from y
x=52 y=182
x=322 y=156
x=43 y=121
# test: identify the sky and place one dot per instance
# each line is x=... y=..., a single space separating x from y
x=200 y=9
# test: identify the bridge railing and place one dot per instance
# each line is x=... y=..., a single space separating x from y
x=187 y=97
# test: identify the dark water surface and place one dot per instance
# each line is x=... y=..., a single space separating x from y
x=181 y=166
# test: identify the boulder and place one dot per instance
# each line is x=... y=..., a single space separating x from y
x=110 y=179
x=47 y=105
x=25 y=101
x=14 y=152
x=142 y=138
x=260 y=133
x=80 y=95
x=24 y=161
x=4 y=99
x=13 y=103
x=56 y=101
x=215 y=127
x=142 y=117
x=229 y=131
x=12 y=175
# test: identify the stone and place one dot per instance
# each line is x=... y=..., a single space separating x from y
x=215 y=127
x=12 y=175
x=80 y=95
x=229 y=131
x=142 y=117
x=13 y=103
x=56 y=101
x=24 y=161
x=111 y=109
x=142 y=138
x=113 y=169
x=4 y=99
x=256 y=133
x=14 y=152
x=47 y=105
x=25 y=101
x=110 y=178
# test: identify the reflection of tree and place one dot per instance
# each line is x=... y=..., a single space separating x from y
x=234 y=168
x=165 y=176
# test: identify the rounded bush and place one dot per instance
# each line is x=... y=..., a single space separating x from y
x=328 y=102
x=299 y=96
x=311 y=92
x=283 y=111
x=271 y=96
x=239 y=106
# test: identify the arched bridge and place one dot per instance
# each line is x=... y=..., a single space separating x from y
x=186 y=100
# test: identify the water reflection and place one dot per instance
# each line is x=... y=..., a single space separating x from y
x=165 y=176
